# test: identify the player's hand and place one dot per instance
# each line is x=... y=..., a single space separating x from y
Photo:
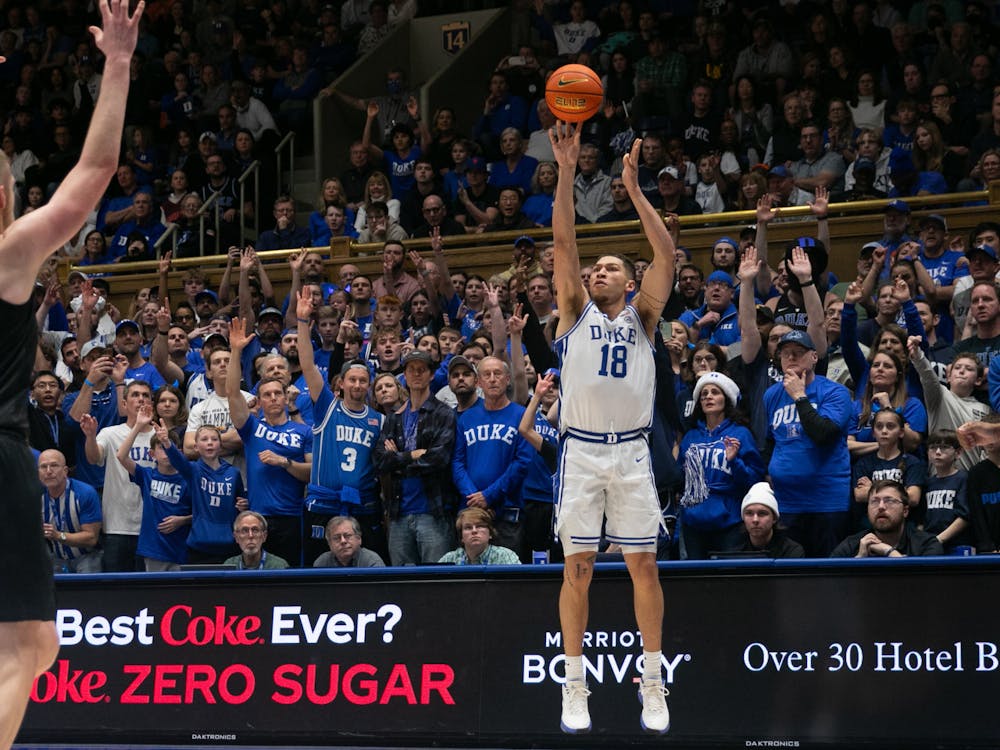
x=630 y=167
x=565 y=139
x=118 y=33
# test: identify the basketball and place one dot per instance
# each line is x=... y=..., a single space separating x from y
x=574 y=93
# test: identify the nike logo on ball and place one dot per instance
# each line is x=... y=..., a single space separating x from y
x=568 y=81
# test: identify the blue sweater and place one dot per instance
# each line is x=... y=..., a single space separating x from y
x=727 y=481
x=490 y=456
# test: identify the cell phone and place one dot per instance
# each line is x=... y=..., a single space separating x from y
x=666 y=330
x=516 y=61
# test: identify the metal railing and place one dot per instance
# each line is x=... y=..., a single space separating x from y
x=289 y=142
x=169 y=235
x=212 y=199
x=253 y=169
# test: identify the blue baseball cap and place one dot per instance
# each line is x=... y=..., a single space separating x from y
x=524 y=240
x=728 y=241
x=207 y=293
x=779 y=171
x=897 y=205
x=126 y=323
x=797 y=337
x=984 y=248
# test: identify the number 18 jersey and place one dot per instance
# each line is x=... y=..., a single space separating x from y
x=607 y=375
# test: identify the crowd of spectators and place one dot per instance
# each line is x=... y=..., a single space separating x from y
x=355 y=417
x=734 y=100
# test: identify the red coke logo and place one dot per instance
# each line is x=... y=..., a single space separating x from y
x=181 y=627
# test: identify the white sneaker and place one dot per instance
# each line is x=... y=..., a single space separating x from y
x=655 y=717
x=575 y=714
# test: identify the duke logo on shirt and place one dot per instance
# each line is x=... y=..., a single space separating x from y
x=287 y=439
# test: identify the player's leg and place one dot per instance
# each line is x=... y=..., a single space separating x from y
x=634 y=521
x=26 y=650
x=578 y=514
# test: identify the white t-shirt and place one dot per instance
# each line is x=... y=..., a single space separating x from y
x=122 y=501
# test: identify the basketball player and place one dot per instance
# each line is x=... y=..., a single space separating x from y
x=28 y=643
x=607 y=401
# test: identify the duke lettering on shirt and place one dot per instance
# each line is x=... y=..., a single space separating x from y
x=289 y=440
x=941 y=500
x=483 y=432
x=616 y=335
x=348 y=434
x=787 y=414
x=714 y=458
x=167 y=491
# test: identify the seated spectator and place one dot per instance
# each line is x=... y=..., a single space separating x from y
x=591 y=187
x=867 y=104
x=622 y=208
x=817 y=168
x=538 y=205
x=514 y=169
x=286 y=235
x=377 y=188
x=380 y=226
x=871 y=155
x=335 y=224
x=890 y=535
x=539 y=146
x=510 y=215
x=476 y=205
x=171 y=204
x=501 y=110
x=672 y=198
x=425 y=185
x=180 y=106
x=117 y=209
x=71 y=517
x=343 y=534
x=145 y=222
x=660 y=78
x=250 y=533
x=252 y=113
x=762 y=533
x=436 y=220
x=907 y=181
x=331 y=193
x=295 y=91
x=711 y=187
x=355 y=177
x=767 y=60
x=475 y=530
x=376 y=29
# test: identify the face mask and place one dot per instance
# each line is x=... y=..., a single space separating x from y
x=394 y=87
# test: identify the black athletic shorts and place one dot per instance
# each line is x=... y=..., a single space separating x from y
x=27 y=591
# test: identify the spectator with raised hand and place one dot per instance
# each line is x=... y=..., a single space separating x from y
x=166 y=502
x=342 y=479
x=398 y=161
x=950 y=407
x=278 y=453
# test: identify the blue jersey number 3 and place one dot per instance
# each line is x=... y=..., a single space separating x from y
x=614 y=361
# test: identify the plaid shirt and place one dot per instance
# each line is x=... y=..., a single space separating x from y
x=665 y=72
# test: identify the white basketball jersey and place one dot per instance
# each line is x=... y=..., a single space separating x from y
x=607 y=375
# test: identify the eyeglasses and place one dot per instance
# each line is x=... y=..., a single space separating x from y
x=874 y=502
x=704 y=359
x=250 y=531
x=346 y=536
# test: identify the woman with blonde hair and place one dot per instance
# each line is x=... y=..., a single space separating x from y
x=331 y=193
x=377 y=188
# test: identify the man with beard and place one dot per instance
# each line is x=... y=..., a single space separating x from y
x=394 y=279
x=128 y=339
x=307 y=268
x=890 y=535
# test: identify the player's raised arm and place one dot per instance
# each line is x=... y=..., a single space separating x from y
x=566 y=273
x=29 y=240
x=658 y=281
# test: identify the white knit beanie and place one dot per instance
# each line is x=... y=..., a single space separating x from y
x=761 y=494
x=723 y=382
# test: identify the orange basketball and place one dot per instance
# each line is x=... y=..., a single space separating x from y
x=574 y=93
